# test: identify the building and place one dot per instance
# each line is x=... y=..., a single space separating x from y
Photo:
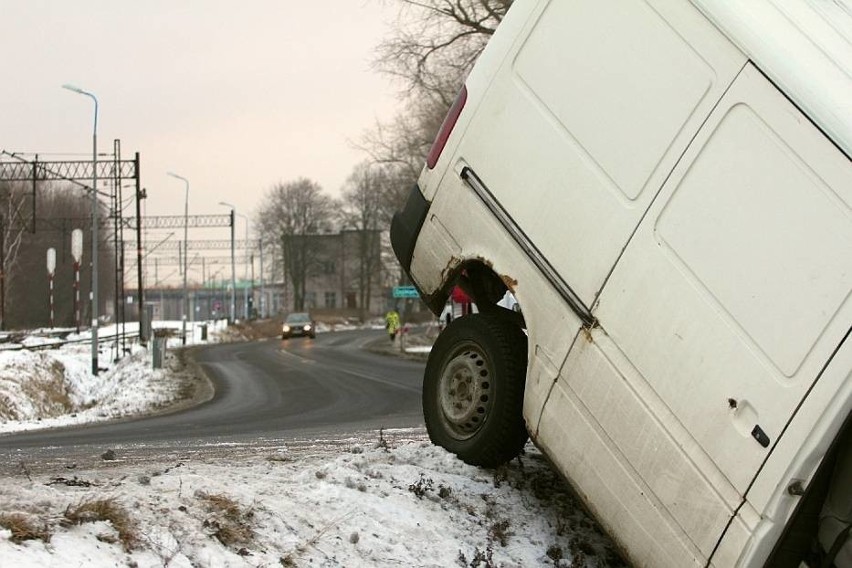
x=335 y=274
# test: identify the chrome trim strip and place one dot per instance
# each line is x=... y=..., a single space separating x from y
x=523 y=241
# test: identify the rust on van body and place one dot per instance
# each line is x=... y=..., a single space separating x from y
x=509 y=282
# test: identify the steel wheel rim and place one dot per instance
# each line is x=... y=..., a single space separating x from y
x=465 y=390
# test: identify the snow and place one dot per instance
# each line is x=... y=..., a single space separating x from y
x=44 y=389
x=388 y=498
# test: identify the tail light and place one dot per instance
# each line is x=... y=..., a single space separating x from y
x=446 y=128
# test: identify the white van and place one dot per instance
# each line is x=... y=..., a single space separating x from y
x=666 y=188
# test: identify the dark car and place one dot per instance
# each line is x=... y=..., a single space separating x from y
x=298 y=323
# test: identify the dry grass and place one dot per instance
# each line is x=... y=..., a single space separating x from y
x=52 y=389
x=7 y=409
x=291 y=558
x=45 y=388
x=105 y=510
x=258 y=329
x=227 y=521
x=24 y=527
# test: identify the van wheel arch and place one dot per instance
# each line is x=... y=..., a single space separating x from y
x=484 y=286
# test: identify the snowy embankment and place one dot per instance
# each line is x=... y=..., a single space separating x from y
x=49 y=388
x=391 y=500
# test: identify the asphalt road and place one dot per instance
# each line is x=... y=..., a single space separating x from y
x=266 y=391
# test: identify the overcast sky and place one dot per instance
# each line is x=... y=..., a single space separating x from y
x=233 y=95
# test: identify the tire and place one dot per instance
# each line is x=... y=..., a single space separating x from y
x=473 y=389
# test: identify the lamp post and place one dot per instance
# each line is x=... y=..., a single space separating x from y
x=245 y=267
x=262 y=289
x=185 y=250
x=233 y=271
x=94 y=226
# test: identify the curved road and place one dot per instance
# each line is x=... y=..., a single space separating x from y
x=266 y=390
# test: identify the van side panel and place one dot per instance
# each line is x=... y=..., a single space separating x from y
x=691 y=381
x=610 y=93
x=736 y=289
x=610 y=486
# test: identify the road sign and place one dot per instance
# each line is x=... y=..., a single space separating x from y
x=405 y=292
x=51 y=261
x=77 y=244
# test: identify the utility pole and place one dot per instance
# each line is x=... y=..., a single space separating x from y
x=2 y=273
x=140 y=195
x=262 y=290
x=233 y=265
x=252 y=280
x=118 y=249
x=233 y=273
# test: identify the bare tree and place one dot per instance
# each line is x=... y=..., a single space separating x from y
x=12 y=227
x=60 y=210
x=14 y=218
x=399 y=148
x=290 y=214
x=437 y=42
x=400 y=145
x=363 y=213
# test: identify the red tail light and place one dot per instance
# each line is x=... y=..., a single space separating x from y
x=446 y=128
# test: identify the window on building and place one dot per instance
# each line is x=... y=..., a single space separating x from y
x=330 y=300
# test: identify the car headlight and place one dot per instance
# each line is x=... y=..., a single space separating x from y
x=307 y=327
x=286 y=329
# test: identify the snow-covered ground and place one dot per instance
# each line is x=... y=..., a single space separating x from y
x=49 y=388
x=385 y=499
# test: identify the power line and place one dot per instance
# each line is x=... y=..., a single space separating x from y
x=209 y=260
x=150 y=222
x=177 y=221
x=210 y=244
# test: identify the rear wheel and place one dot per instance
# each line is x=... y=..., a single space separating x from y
x=473 y=389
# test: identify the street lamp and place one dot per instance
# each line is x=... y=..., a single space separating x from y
x=94 y=226
x=245 y=267
x=185 y=250
x=233 y=271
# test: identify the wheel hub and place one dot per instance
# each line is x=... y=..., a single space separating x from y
x=466 y=392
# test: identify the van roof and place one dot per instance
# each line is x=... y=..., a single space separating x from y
x=804 y=47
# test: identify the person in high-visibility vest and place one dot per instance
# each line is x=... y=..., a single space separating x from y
x=392 y=323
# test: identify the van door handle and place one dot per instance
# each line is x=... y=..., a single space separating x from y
x=744 y=414
x=758 y=434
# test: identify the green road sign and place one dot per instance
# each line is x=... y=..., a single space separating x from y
x=405 y=292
